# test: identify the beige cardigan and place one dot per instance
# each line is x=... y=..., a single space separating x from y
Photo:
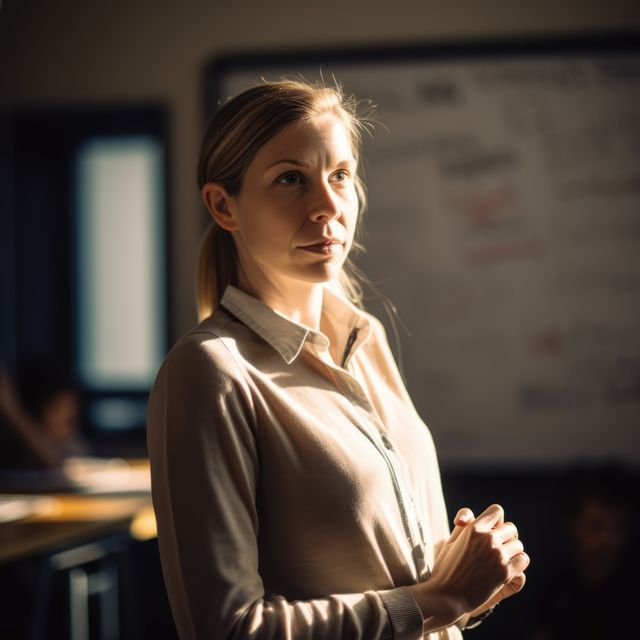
x=294 y=498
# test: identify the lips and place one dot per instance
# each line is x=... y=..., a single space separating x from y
x=326 y=246
x=323 y=241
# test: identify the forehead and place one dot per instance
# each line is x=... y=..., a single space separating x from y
x=324 y=136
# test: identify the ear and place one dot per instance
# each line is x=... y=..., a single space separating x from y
x=220 y=205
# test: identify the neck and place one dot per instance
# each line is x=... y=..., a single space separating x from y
x=299 y=301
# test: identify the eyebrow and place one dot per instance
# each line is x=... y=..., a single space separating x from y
x=302 y=163
x=298 y=163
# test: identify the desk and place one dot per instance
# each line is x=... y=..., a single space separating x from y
x=72 y=518
x=75 y=519
x=86 y=537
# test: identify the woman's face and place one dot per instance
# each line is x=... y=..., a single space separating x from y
x=296 y=212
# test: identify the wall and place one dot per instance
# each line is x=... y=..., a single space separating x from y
x=73 y=51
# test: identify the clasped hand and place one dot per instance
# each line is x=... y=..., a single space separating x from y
x=481 y=563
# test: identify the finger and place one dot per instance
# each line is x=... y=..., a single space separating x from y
x=519 y=562
x=512 y=548
x=462 y=519
x=490 y=517
x=505 y=532
x=512 y=587
x=517 y=582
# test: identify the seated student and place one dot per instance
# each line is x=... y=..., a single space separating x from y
x=591 y=594
x=40 y=415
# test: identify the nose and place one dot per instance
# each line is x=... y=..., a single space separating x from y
x=325 y=206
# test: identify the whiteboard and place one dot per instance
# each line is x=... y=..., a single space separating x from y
x=504 y=223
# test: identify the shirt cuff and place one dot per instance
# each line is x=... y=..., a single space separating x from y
x=404 y=613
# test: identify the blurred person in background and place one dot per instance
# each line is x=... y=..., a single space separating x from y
x=40 y=414
x=592 y=594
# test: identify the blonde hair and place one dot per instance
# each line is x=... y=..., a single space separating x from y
x=232 y=138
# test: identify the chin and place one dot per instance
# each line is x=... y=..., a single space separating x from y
x=322 y=273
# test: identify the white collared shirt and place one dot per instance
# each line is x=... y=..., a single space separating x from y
x=295 y=498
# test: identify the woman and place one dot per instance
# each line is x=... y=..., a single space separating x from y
x=296 y=489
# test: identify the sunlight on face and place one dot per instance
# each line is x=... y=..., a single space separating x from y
x=298 y=206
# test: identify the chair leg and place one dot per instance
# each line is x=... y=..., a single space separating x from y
x=38 y=625
x=78 y=604
x=109 y=594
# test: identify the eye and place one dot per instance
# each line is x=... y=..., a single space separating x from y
x=342 y=175
x=292 y=178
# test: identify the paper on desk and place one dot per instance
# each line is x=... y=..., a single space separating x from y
x=111 y=475
x=17 y=507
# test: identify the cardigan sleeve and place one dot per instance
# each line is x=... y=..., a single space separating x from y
x=205 y=465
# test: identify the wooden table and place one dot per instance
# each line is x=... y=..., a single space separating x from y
x=74 y=519
x=74 y=533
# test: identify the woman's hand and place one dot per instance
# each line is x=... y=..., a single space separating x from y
x=473 y=569
x=463 y=518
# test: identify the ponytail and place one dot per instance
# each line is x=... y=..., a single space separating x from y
x=217 y=267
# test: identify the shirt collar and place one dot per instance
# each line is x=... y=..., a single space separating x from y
x=287 y=336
